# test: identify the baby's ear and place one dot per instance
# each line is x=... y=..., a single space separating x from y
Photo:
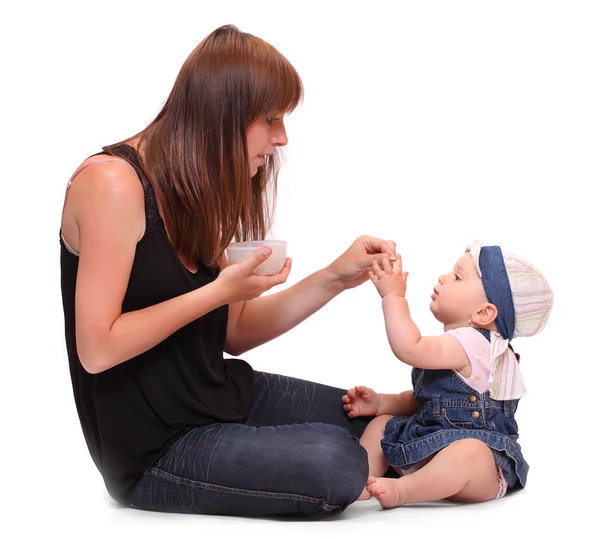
x=485 y=315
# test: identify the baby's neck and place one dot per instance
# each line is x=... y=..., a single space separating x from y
x=448 y=327
x=489 y=327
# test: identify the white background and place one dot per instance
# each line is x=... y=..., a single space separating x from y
x=430 y=123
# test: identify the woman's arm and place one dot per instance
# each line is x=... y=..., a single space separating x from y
x=106 y=208
x=258 y=321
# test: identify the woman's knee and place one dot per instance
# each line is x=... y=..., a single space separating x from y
x=317 y=460
x=341 y=466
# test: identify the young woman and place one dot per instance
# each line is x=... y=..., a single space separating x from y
x=151 y=305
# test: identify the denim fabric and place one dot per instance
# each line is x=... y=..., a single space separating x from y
x=451 y=410
x=297 y=454
x=497 y=288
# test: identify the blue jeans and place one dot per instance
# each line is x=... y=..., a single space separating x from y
x=296 y=454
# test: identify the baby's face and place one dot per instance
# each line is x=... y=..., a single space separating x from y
x=458 y=295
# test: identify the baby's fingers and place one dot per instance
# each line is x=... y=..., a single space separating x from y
x=349 y=409
x=387 y=265
x=398 y=265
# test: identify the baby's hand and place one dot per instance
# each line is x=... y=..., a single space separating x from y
x=361 y=401
x=389 y=280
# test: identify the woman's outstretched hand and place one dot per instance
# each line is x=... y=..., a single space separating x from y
x=243 y=284
x=352 y=267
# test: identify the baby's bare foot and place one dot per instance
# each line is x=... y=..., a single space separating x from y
x=387 y=491
x=364 y=495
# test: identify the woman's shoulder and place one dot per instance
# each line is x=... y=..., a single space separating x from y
x=101 y=184
x=103 y=179
x=105 y=170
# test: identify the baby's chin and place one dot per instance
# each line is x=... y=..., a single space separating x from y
x=440 y=316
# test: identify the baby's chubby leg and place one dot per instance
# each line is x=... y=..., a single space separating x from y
x=464 y=471
x=371 y=441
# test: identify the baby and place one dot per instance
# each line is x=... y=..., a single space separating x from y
x=455 y=435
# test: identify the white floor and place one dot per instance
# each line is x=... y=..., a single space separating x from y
x=535 y=512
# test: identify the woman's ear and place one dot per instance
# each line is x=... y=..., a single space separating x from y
x=485 y=315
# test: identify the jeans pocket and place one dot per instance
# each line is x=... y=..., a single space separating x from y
x=457 y=422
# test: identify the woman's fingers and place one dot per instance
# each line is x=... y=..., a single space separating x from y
x=269 y=281
x=282 y=276
x=377 y=269
x=257 y=258
x=374 y=246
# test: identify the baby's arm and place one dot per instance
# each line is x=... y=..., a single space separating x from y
x=410 y=347
x=443 y=352
x=363 y=401
x=397 y=403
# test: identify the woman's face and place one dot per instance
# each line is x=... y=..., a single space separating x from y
x=262 y=137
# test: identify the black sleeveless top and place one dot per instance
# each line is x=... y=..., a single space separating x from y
x=131 y=413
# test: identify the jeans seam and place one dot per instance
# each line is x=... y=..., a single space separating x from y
x=161 y=474
x=225 y=431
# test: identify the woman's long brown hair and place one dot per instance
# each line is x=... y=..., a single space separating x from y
x=195 y=151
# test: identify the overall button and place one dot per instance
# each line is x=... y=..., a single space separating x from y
x=472 y=398
x=475 y=415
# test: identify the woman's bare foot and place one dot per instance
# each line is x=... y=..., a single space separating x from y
x=387 y=491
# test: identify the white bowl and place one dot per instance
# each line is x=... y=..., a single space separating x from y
x=241 y=250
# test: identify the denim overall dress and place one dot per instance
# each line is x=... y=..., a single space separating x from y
x=450 y=410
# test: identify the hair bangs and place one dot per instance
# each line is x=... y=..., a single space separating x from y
x=276 y=86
